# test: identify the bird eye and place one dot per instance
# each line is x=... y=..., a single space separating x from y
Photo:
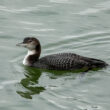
x=30 y=41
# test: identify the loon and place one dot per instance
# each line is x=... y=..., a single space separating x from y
x=60 y=61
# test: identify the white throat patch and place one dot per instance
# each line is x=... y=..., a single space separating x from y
x=25 y=61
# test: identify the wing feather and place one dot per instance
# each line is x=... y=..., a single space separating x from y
x=64 y=61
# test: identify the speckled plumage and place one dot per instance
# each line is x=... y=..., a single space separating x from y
x=68 y=61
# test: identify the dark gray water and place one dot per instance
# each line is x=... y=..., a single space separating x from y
x=78 y=26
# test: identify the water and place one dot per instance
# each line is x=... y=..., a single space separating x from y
x=77 y=26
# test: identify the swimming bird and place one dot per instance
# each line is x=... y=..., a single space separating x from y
x=60 y=61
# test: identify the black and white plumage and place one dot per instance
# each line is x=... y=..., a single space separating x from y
x=61 y=61
x=68 y=61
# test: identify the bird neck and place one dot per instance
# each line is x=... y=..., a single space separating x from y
x=32 y=56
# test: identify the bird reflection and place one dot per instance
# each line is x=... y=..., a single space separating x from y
x=31 y=80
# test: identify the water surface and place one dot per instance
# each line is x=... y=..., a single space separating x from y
x=81 y=27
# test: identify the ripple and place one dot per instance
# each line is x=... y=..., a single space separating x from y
x=44 y=30
x=6 y=47
x=18 y=10
x=30 y=23
x=9 y=82
x=39 y=30
x=61 y=1
x=44 y=13
x=6 y=83
x=1 y=32
x=26 y=9
x=16 y=59
x=88 y=39
x=89 y=11
x=96 y=9
x=56 y=104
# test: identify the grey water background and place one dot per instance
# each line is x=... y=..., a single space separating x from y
x=78 y=26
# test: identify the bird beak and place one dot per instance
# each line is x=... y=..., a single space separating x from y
x=21 y=44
